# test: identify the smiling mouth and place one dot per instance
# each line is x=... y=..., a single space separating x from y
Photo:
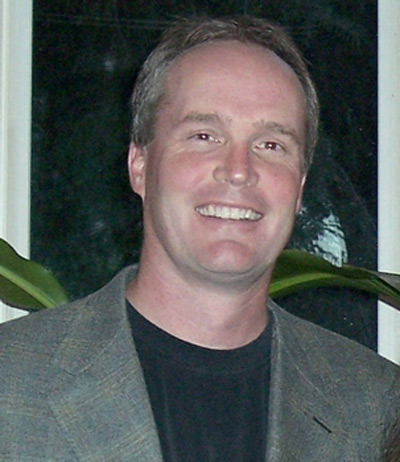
x=229 y=213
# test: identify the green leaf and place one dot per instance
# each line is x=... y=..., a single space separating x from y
x=26 y=284
x=297 y=270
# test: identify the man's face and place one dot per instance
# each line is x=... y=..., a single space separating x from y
x=222 y=180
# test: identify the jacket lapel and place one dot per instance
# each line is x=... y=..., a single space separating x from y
x=99 y=397
x=305 y=419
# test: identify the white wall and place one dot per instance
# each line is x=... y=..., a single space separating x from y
x=15 y=127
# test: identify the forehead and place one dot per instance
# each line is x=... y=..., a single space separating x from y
x=248 y=62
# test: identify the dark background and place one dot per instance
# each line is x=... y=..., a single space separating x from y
x=86 y=223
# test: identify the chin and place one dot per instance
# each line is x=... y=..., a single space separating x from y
x=232 y=266
x=235 y=258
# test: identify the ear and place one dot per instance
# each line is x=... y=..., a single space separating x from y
x=136 y=169
x=299 y=201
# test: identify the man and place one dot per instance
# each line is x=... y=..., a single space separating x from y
x=184 y=358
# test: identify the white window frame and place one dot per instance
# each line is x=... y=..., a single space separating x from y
x=389 y=167
x=15 y=127
x=15 y=152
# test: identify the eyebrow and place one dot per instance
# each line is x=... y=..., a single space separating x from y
x=194 y=117
x=279 y=128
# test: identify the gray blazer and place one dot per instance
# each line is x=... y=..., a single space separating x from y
x=72 y=389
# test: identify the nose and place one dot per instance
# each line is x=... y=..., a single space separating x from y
x=236 y=167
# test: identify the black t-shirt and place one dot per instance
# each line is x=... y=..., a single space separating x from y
x=209 y=405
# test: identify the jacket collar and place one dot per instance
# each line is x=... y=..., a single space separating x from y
x=304 y=420
x=99 y=397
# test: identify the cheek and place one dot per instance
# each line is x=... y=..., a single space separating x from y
x=161 y=174
x=283 y=186
x=183 y=174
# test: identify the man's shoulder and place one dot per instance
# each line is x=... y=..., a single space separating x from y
x=48 y=327
x=28 y=345
x=307 y=342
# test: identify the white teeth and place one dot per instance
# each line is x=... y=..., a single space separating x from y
x=228 y=213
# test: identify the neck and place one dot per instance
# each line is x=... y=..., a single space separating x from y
x=213 y=316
